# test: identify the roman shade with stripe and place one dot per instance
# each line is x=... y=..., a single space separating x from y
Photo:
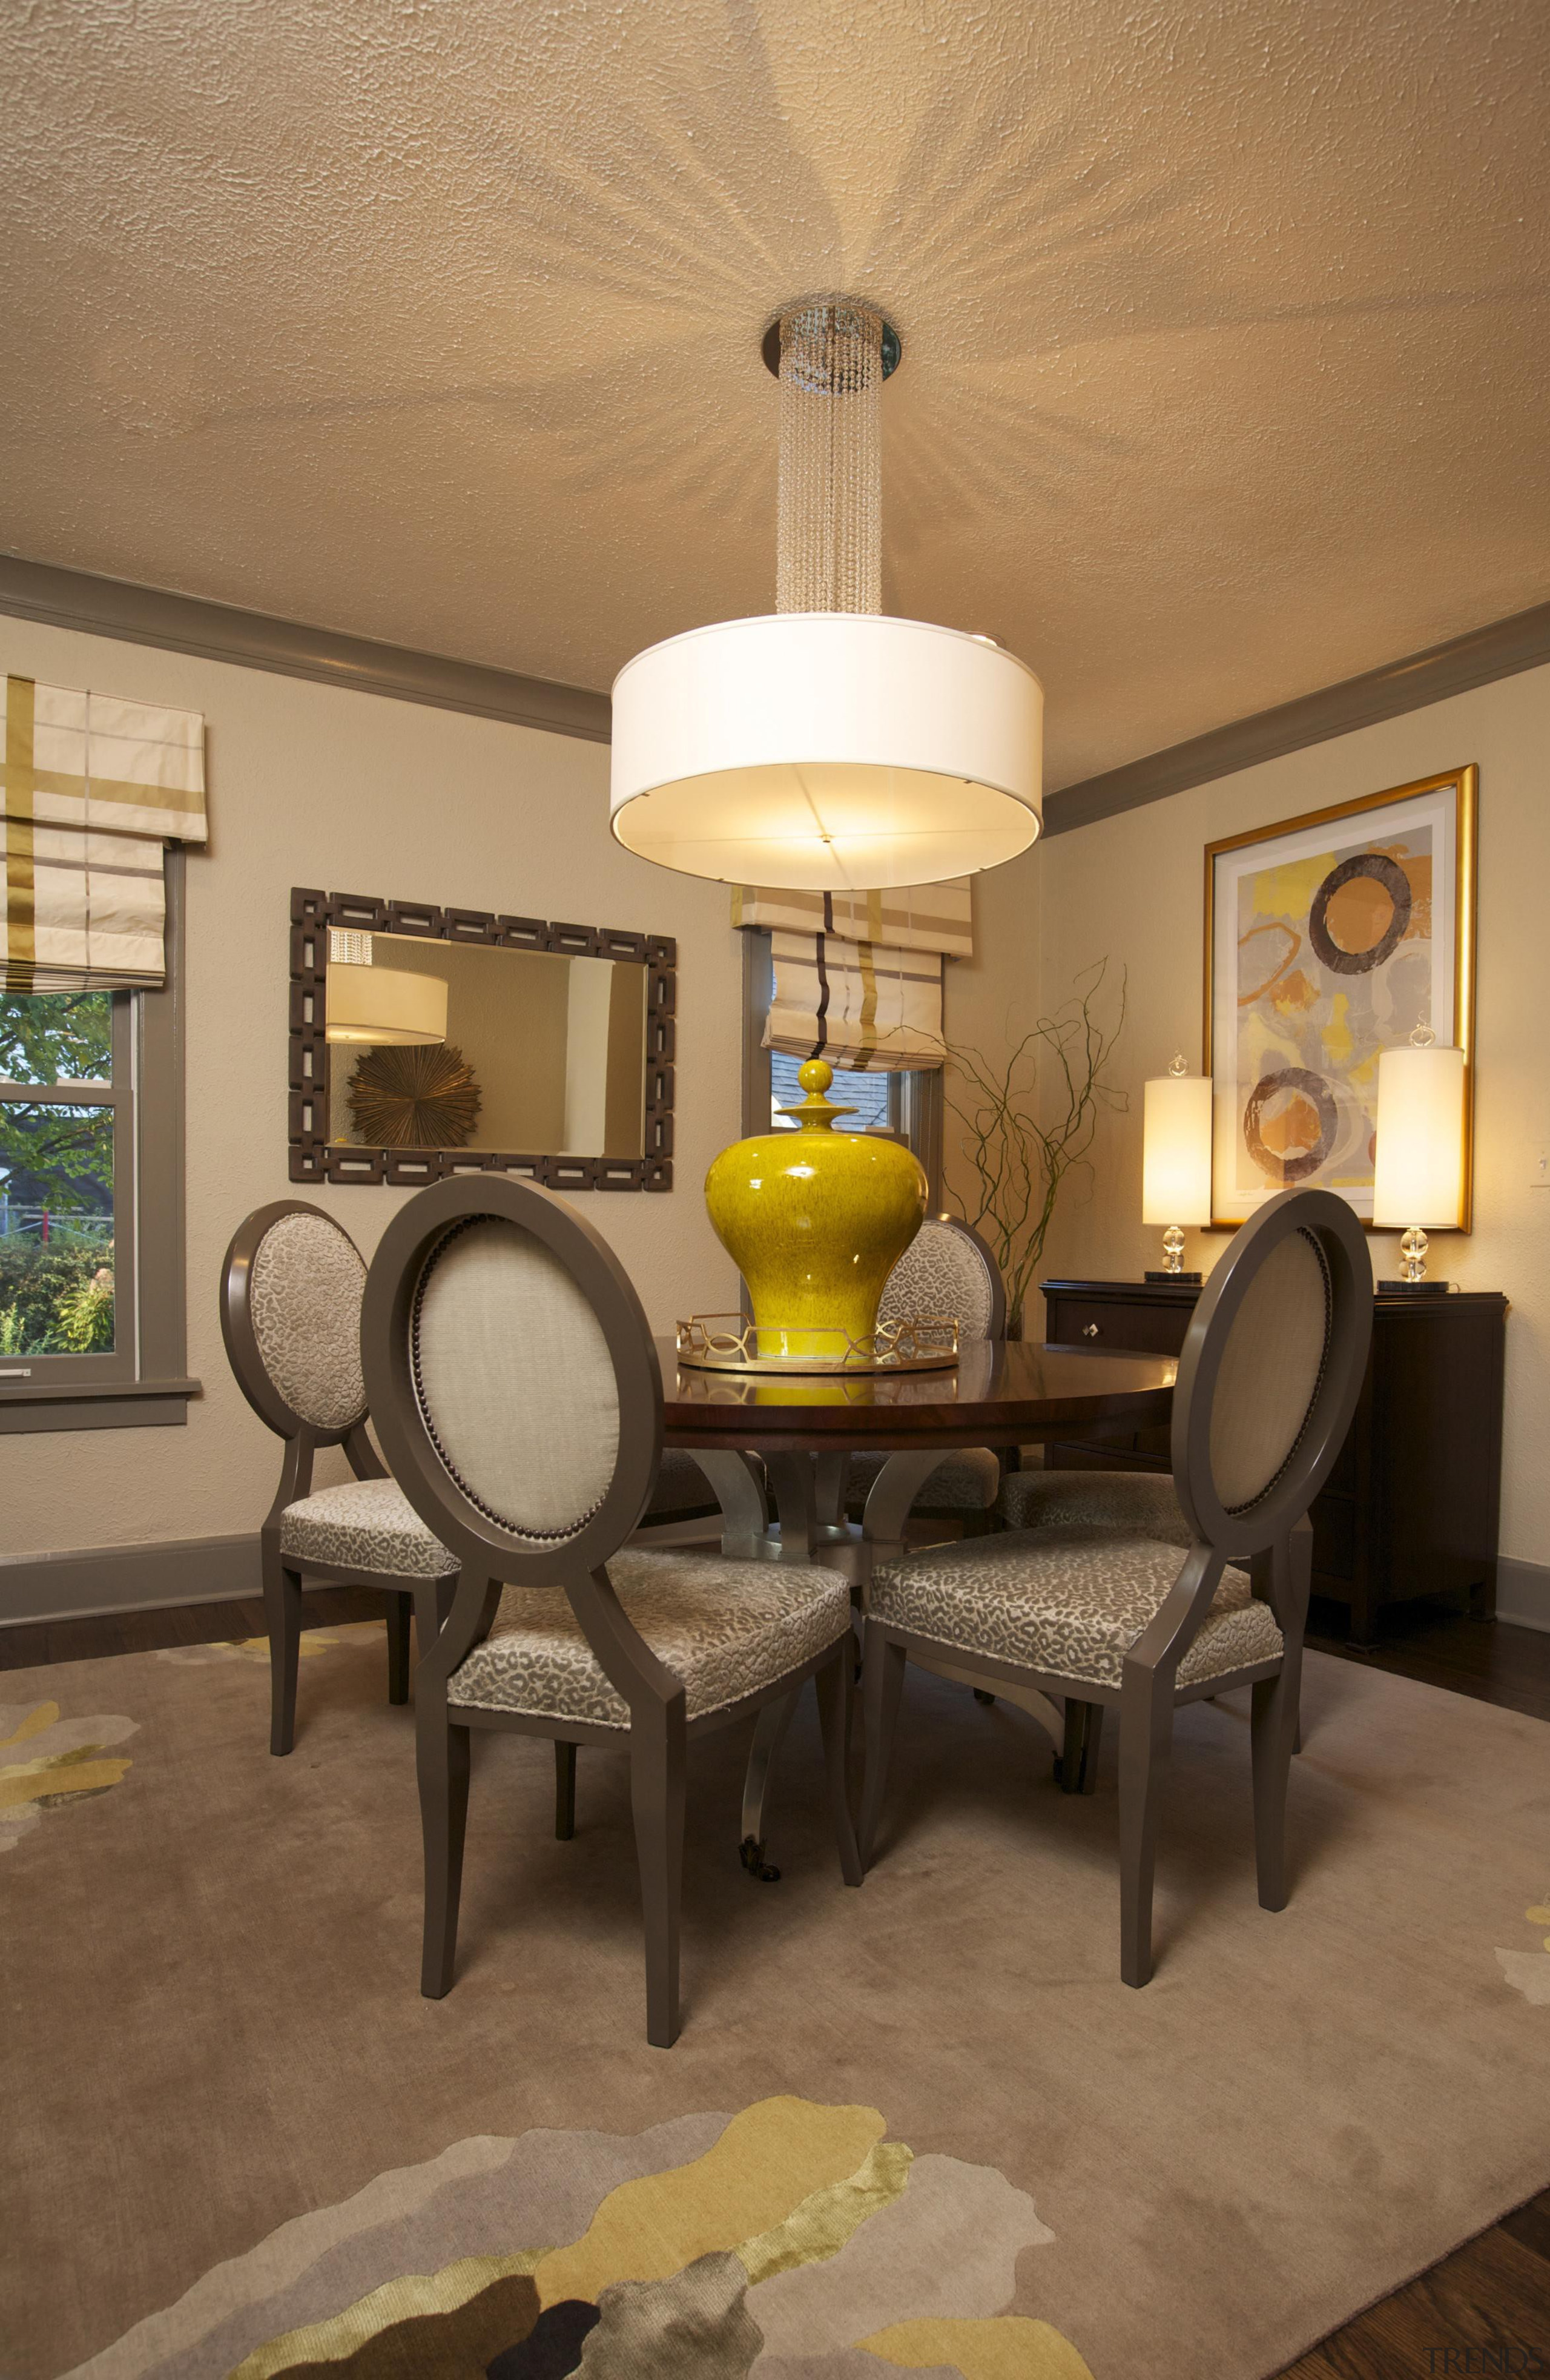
x=858 y=977
x=94 y=789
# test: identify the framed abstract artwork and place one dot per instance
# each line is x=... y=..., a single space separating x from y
x=1329 y=938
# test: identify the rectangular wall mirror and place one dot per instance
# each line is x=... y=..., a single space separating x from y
x=427 y=1041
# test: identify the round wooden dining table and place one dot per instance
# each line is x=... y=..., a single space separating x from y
x=804 y=1426
x=1001 y=1393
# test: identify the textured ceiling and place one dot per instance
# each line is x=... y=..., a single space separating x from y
x=1225 y=326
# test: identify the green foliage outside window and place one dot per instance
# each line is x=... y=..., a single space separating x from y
x=55 y=1299
x=53 y=1155
x=55 y=1162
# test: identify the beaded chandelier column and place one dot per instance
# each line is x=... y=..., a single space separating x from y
x=830 y=537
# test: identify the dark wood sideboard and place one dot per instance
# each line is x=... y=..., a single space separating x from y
x=1413 y=1505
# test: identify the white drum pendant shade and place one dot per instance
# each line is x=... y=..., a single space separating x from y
x=828 y=751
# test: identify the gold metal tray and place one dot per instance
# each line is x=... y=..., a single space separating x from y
x=729 y=1342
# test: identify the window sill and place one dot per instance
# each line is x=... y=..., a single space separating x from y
x=56 y=1404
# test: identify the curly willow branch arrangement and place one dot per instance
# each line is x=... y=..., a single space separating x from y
x=1019 y=1162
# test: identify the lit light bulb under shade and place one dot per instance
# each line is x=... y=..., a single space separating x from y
x=1176 y=1151
x=1419 y=1172
x=828 y=751
x=383 y=1007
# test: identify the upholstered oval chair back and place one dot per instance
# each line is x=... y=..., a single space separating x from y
x=291 y=1314
x=1272 y=1365
x=947 y=1270
x=514 y=1379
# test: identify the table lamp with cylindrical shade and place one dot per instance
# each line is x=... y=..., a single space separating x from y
x=1175 y=1162
x=1419 y=1171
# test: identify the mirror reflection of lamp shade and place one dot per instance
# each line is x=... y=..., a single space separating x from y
x=1176 y=1151
x=384 y=1008
x=1418 y=1172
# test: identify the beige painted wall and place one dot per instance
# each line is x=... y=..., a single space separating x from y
x=1132 y=888
x=311 y=785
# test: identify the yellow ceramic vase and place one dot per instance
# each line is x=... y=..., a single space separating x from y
x=815 y=1220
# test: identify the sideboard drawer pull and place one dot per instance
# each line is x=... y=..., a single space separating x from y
x=1089 y=1331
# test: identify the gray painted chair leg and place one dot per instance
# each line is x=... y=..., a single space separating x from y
x=564 y=1792
x=432 y=1603
x=282 y=1597
x=1146 y=1741
x=1092 y=1748
x=882 y=1685
x=400 y=1611
x=442 y=1757
x=1079 y=1754
x=657 y=1796
x=1271 y=1730
x=769 y=1733
x=1073 y=1745
x=1276 y=1728
x=833 y=1683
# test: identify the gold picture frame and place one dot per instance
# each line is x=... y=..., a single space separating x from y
x=1342 y=1001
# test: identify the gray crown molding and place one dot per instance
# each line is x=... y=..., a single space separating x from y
x=221 y=632
x=1502 y=650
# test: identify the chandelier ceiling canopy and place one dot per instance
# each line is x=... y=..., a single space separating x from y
x=827 y=747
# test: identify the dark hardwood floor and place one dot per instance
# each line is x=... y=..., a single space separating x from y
x=1495 y=1663
x=1485 y=2307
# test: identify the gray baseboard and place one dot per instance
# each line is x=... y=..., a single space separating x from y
x=1523 y=1593
x=126 y=1578
x=222 y=1569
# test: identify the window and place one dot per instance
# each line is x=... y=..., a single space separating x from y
x=91 y=1324
x=877 y=1101
x=66 y=1183
x=908 y=1106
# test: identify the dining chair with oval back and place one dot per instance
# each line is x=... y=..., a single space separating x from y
x=946 y=1270
x=516 y=1387
x=1108 y=1617
x=291 y=1290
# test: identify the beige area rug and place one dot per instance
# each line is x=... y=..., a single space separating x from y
x=919 y=2126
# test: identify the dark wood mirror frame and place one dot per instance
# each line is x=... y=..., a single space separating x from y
x=315 y=1159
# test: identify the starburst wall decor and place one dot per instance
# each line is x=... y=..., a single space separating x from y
x=415 y=1098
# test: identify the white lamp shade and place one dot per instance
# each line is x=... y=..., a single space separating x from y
x=1176 y=1151
x=383 y=1007
x=828 y=751
x=1419 y=1174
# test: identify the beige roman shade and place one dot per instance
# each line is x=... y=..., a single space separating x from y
x=94 y=788
x=858 y=977
x=909 y=918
